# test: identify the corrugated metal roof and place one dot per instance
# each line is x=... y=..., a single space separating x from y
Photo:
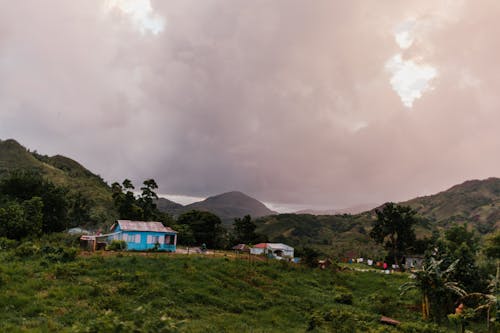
x=279 y=246
x=127 y=225
x=273 y=246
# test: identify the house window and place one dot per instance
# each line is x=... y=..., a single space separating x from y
x=155 y=239
x=131 y=238
x=169 y=239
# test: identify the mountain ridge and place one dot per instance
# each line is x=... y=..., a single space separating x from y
x=227 y=205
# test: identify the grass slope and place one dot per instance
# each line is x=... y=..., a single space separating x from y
x=179 y=293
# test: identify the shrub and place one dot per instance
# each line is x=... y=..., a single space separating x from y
x=59 y=254
x=117 y=245
x=26 y=249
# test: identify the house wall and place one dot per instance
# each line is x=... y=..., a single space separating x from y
x=256 y=250
x=144 y=240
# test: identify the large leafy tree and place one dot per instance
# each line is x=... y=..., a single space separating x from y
x=244 y=231
x=147 y=200
x=206 y=228
x=393 y=229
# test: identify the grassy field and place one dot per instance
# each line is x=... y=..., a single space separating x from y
x=45 y=290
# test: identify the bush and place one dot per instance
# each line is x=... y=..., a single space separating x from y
x=59 y=254
x=117 y=245
x=26 y=249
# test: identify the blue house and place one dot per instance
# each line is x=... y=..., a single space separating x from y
x=143 y=236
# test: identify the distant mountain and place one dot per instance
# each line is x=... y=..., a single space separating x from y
x=62 y=171
x=166 y=205
x=350 y=210
x=476 y=202
x=227 y=206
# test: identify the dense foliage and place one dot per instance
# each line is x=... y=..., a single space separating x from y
x=31 y=205
x=244 y=232
x=202 y=228
x=394 y=229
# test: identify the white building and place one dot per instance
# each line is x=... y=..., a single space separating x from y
x=274 y=250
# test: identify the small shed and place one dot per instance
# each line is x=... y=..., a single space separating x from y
x=142 y=236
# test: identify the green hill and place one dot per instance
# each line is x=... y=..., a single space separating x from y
x=476 y=202
x=62 y=171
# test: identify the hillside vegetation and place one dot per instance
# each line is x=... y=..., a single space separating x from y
x=475 y=201
x=61 y=171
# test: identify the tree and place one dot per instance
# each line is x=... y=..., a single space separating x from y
x=141 y=207
x=146 y=199
x=394 y=229
x=125 y=202
x=206 y=227
x=460 y=244
x=244 y=231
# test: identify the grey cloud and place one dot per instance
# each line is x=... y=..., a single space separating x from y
x=266 y=97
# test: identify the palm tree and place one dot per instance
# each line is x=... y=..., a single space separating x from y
x=434 y=285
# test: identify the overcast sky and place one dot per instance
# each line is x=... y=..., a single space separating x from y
x=325 y=104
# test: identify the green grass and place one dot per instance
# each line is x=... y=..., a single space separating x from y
x=179 y=293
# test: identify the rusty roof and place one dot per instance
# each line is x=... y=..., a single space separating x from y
x=127 y=225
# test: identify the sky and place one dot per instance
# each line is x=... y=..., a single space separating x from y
x=301 y=104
